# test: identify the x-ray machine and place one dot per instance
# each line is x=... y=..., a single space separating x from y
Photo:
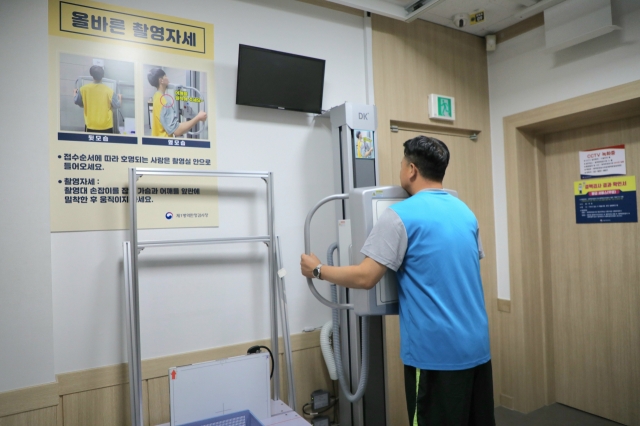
x=359 y=202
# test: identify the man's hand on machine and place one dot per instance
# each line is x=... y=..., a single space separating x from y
x=202 y=116
x=308 y=263
x=363 y=276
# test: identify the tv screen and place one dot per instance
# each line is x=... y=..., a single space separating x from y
x=272 y=79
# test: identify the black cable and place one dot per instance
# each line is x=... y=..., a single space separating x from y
x=308 y=414
x=327 y=408
x=336 y=411
x=256 y=349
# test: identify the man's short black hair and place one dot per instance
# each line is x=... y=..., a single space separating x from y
x=97 y=72
x=430 y=156
x=154 y=75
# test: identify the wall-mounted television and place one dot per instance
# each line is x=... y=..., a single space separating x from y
x=272 y=79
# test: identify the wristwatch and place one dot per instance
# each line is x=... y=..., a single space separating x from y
x=316 y=272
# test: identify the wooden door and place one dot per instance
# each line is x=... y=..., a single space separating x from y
x=595 y=283
x=468 y=174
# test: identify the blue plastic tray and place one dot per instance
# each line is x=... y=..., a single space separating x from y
x=240 y=418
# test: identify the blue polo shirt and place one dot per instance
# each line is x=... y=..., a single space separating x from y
x=431 y=241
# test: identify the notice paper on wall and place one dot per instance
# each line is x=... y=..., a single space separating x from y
x=129 y=88
x=607 y=200
x=601 y=162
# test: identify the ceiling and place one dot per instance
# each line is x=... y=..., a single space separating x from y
x=498 y=14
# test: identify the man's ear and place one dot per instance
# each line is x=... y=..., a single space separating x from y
x=414 y=171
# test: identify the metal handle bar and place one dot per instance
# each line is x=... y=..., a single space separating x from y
x=204 y=106
x=307 y=250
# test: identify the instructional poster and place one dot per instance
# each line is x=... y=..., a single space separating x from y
x=129 y=88
x=607 y=200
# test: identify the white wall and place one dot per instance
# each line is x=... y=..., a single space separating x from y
x=26 y=331
x=523 y=77
x=192 y=298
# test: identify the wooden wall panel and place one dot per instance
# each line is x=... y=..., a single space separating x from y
x=410 y=62
x=547 y=389
x=42 y=417
x=518 y=366
x=94 y=378
x=525 y=353
x=100 y=396
x=528 y=378
x=504 y=305
x=394 y=373
x=59 y=413
x=159 y=411
x=28 y=399
x=99 y=407
x=595 y=279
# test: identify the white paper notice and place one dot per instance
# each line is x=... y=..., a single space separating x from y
x=609 y=161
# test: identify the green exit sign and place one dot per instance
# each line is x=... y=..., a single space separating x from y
x=442 y=107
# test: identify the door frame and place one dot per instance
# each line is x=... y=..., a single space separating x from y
x=526 y=328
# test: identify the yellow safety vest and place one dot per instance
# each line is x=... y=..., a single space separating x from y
x=96 y=98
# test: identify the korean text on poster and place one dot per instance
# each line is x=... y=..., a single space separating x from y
x=103 y=22
x=602 y=162
x=607 y=200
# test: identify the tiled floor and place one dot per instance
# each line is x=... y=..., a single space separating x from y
x=552 y=415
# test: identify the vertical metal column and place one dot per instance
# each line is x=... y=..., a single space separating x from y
x=273 y=302
x=346 y=408
x=345 y=120
x=135 y=355
x=282 y=297
x=355 y=348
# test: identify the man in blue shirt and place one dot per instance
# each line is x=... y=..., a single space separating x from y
x=431 y=240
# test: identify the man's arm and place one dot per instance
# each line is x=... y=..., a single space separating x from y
x=171 y=125
x=362 y=276
x=77 y=98
x=116 y=100
x=187 y=125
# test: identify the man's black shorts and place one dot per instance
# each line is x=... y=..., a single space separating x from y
x=450 y=398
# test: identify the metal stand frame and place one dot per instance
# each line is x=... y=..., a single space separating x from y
x=133 y=248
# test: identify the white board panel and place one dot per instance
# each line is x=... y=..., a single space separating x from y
x=210 y=389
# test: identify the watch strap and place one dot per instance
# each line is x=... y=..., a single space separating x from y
x=319 y=274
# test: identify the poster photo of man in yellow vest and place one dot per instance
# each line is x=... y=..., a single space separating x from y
x=165 y=120
x=98 y=102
